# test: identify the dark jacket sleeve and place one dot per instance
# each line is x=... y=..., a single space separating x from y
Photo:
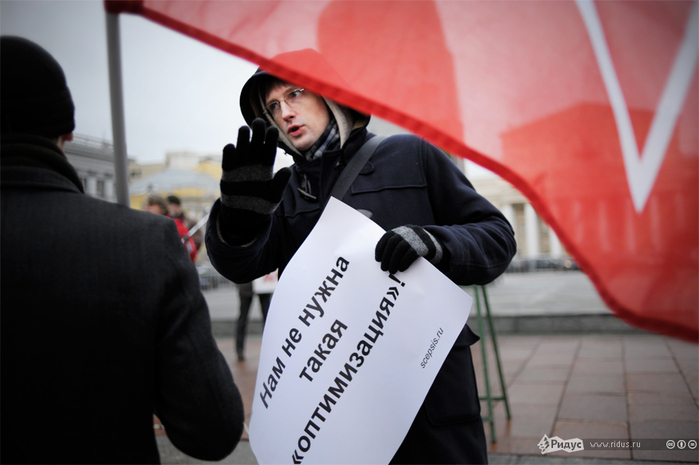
x=197 y=400
x=239 y=264
x=408 y=181
x=479 y=241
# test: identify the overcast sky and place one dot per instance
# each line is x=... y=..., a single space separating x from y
x=179 y=94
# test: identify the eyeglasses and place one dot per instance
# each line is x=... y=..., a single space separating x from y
x=292 y=98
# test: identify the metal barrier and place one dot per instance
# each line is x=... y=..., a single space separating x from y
x=489 y=397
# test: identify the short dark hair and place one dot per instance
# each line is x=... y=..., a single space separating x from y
x=266 y=83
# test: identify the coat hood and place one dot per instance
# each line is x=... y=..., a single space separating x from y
x=252 y=102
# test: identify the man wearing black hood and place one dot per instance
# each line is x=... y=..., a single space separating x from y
x=408 y=187
x=103 y=320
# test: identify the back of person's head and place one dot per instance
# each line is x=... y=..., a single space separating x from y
x=157 y=201
x=34 y=96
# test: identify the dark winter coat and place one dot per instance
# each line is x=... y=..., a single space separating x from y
x=407 y=181
x=103 y=325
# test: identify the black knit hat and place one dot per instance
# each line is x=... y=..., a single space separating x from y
x=34 y=96
x=173 y=199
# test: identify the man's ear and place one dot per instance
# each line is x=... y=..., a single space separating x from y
x=63 y=139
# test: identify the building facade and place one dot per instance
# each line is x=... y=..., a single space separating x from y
x=535 y=239
x=93 y=159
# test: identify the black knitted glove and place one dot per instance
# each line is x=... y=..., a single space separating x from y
x=249 y=191
x=399 y=248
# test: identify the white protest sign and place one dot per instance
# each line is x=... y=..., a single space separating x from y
x=348 y=351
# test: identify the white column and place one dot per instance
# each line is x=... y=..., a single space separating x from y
x=91 y=187
x=556 y=247
x=509 y=213
x=531 y=226
x=109 y=190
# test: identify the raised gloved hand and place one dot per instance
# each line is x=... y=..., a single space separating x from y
x=399 y=248
x=249 y=191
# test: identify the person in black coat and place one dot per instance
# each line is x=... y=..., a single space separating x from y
x=246 y=292
x=103 y=321
x=408 y=187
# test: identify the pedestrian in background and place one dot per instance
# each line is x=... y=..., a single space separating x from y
x=156 y=204
x=103 y=321
x=262 y=287
x=175 y=206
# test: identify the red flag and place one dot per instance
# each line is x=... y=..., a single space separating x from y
x=588 y=108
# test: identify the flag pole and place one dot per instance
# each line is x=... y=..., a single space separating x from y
x=121 y=165
x=195 y=228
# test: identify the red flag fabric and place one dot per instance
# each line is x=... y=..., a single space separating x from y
x=588 y=108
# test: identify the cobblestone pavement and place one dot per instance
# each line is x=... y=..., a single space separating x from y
x=628 y=388
x=582 y=380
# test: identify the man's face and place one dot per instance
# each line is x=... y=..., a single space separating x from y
x=304 y=122
x=174 y=208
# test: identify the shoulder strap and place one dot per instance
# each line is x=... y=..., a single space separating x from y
x=349 y=174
